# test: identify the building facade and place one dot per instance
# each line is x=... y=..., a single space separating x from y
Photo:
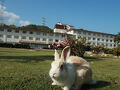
x=92 y=37
x=38 y=39
x=35 y=39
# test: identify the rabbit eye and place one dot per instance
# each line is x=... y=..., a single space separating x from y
x=61 y=67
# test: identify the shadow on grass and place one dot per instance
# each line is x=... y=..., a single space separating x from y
x=98 y=85
x=89 y=59
x=25 y=59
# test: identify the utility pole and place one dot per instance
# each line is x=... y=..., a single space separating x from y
x=43 y=21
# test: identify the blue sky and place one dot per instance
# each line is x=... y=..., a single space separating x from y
x=95 y=15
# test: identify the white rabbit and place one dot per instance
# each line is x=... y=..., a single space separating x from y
x=70 y=72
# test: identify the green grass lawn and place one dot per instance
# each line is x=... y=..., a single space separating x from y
x=22 y=69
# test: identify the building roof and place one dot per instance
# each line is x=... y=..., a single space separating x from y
x=58 y=26
x=82 y=30
x=63 y=26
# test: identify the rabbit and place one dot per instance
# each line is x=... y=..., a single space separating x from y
x=70 y=72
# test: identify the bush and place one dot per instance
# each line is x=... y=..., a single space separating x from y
x=10 y=45
x=97 y=49
x=108 y=51
x=116 y=51
x=77 y=46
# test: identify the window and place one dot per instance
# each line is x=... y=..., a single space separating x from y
x=110 y=45
x=1 y=30
x=65 y=27
x=38 y=33
x=30 y=38
x=24 y=32
x=102 y=39
x=98 y=39
x=51 y=34
x=9 y=36
x=16 y=37
x=16 y=31
x=106 y=36
x=63 y=35
x=106 y=40
x=111 y=37
x=51 y=40
x=31 y=32
x=93 y=38
x=56 y=35
x=84 y=33
x=98 y=34
x=89 y=38
x=1 y=35
x=37 y=38
x=94 y=34
x=56 y=40
x=44 y=39
x=89 y=33
x=79 y=32
x=98 y=44
x=111 y=40
x=93 y=43
x=9 y=30
x=44 y=34
x=106 y=45
x=23 y=37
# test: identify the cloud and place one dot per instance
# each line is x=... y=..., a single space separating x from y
x=24 y=23
x=10 y=18
x=7 y=17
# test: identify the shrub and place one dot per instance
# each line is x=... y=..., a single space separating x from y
x=97 y=49
x=10 y=45
x=108 y=51
x=116 y=51
x=77 y=46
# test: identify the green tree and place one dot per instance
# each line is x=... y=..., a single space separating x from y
x=117 y=38
x=78 y=46
x=13 y=26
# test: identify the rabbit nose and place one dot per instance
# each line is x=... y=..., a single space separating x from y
x=54 y=74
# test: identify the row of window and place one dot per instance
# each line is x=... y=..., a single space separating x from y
x=30 y=32
x=89 y=38
x=30 y=38
x=94 y=34
x=98 y=39
x=98 y=44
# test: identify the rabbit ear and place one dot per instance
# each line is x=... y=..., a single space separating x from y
x=65 y=53
x=56 y=55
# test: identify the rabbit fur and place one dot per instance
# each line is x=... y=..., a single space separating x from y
x=70 y=72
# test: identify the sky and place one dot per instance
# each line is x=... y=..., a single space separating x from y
x=93 y=15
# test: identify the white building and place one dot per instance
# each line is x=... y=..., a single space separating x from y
x=93 y=38
x=38 y=39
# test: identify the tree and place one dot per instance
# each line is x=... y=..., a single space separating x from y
x=13 y=26
x=117 y=38
x=78 y=46
x=31 y=27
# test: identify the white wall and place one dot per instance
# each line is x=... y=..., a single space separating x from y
x=47 y=36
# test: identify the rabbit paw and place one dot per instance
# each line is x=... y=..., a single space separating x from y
x=53 y=83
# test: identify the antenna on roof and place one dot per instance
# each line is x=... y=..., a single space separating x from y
x=1 y=11
x=43 y=21
x=61 y=19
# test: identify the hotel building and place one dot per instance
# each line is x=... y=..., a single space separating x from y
x=39 y=39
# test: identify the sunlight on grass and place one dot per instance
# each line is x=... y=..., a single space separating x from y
x=23 y=69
